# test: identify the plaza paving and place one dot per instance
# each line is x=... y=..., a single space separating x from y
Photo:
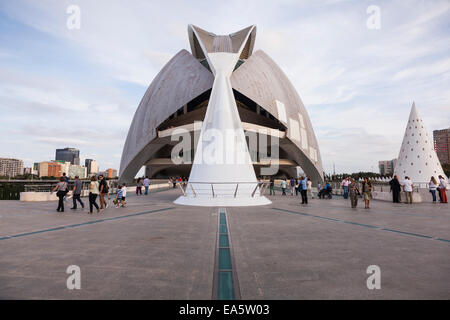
x=154 y=249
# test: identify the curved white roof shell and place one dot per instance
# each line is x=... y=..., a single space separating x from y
x=184 y=78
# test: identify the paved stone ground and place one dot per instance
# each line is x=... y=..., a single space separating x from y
x=156 y=250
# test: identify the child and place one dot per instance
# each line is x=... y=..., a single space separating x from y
x=124 y=195
x=119 y=196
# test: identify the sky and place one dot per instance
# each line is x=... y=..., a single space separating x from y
x=62 y=87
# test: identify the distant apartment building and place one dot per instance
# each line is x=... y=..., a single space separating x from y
x=65 y=166
x=442 y=145
x=50 y=169
x=11 y=167
x=75 y=170
x=71 y=155
x=111 y=173
x=36 y=168
x=387 y=167
x=92 y=167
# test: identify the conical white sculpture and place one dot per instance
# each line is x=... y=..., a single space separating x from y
x=417 y=158
x=222 y=173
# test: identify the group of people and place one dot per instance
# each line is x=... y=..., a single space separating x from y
x=351 y=190
x=97 y=188
x=142 y=182
x=408 y=186
x=182 y=181
x=302 y=186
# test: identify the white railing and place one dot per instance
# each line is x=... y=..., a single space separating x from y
x=224 y=189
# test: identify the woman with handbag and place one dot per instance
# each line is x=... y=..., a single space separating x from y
x=61 y=189
x=93 y=194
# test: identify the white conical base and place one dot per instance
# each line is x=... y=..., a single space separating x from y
x=222 y=201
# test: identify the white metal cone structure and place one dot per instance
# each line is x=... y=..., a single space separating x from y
x=417 y=158
x=222 y=173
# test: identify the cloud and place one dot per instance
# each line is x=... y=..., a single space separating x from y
x=357 y=84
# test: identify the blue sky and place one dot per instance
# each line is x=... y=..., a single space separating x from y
x=80 y=88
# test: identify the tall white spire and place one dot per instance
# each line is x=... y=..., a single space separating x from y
x=222 y=173
x=417 y=158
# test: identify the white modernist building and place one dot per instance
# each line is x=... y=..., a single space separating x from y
x=220 y=94
x=417 y=158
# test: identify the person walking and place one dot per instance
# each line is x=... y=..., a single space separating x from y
x=124 y=195
x=304 y=184
x=119 y=195
x=146 y=185
x=408 y=188
x=395 y=189
x=367 y=192
x=66 y=179
x=93 y=194
x=104 y=191
x=61 y=190
x=353 y=193
x=432 y=186
x=309 y=187
x=272 y=186
x=76 y=193
x=344 y=185
x=443 y=189
x=283 y=187
x=139 y=187
x=292 y=185
x=173 y=180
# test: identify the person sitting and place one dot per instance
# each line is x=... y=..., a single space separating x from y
x=326 y=191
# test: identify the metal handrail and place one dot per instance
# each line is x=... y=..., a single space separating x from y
x=193 y=191
x=261 y=185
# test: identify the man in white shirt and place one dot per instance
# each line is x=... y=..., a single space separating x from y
x=146 y=184
x=408 y=188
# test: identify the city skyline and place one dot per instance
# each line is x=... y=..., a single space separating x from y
x=10 y=166
x=357 y=84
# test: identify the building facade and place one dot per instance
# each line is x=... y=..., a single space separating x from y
x=442 y=145
x=11 y=167
x=65 y=166
x=259 y=97
x=111 y=173
x=36 y=168
x=71 y=155
x=92 y=167
x=387 y=167
x=76 y=170
x=50 y=169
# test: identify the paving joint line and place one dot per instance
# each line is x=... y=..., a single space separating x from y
x=363 y=225
x=71 y=226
